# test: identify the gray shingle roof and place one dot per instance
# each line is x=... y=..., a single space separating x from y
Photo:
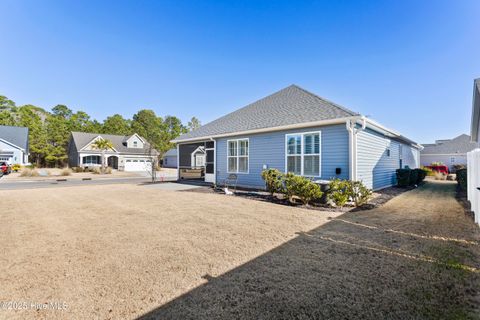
x=81 y=139
x=171 y=153
x=15 y=135
x=292 y=105
x=460 y=144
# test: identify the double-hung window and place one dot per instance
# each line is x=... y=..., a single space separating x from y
x=303 y=153
x=237 y=155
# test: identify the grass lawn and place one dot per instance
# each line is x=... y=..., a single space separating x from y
x=126 y=251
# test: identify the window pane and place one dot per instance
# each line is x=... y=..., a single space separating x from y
x=311 y=143
x=232 y=148
x=243 y=164
x=294 y=144
x=232 y=164
x=311 y=166
x=294 y=164
x=243 y=147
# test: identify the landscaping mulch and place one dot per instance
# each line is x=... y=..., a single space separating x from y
x=379 y=198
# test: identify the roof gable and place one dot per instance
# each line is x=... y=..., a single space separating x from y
x=17 y=136
x=80 y=140
x=292 y=105
x=89 y=146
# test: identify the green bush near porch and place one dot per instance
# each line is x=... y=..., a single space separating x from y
x=462 y=178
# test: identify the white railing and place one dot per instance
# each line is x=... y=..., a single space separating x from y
x=473 y=181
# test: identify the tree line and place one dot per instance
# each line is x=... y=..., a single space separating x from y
x=49 y=131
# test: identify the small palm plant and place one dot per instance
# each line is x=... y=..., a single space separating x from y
x=103 y=145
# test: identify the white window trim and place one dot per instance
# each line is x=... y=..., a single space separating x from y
x=238 y=155
x=302 y=153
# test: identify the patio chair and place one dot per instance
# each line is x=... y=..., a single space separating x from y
x=231 y=180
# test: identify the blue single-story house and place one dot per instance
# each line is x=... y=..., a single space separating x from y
x=296 y=131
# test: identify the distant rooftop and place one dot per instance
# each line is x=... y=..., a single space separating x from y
x=461 y=144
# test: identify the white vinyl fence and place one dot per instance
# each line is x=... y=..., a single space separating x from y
x=473 y=181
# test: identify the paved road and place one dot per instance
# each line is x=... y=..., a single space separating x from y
x=16 y=185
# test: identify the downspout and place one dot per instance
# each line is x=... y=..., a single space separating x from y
x=352 y=154
x=178 y=161
x=351 y=164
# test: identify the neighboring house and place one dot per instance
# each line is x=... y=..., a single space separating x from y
x=170 y=158
x=473 y=157
x=449 y=152
x=296 y=131
x=14 y=145
x=129 y=153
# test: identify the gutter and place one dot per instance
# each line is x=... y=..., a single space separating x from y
x=352 y=146
x=272 y=129
x=365 y=122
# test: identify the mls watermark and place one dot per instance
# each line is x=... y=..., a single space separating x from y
x=32 y=305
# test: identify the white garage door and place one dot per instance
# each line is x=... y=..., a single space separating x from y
x=137 y=165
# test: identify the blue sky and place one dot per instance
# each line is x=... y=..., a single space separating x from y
x=408 y=64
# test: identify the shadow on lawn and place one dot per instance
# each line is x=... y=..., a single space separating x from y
x=339 y=270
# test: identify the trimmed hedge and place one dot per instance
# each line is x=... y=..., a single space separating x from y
x=413 y=177
x=462 y=178
x=410 y=177
x=403 y=177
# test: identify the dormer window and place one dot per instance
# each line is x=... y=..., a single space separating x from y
x=135 y=144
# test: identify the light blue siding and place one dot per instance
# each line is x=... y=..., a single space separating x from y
x=269 y=149
x=375 y=168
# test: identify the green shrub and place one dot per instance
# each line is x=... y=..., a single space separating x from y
x=403 y=177
x=303 y=188
x=413 y=177
x=359 y=193
x=421 y=175
x=273 y=180
x=462 y=178
x=338 y=192
x=341 y=191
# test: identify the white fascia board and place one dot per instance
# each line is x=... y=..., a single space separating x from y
x=372 y=124
x=13 y=145
x=272 y=129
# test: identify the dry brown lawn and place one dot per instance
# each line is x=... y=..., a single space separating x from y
x=125 y=252
x=119 y=251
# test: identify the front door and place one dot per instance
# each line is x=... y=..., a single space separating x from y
x=210 y=162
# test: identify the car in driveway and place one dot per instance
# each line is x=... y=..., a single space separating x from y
x=5 y=168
